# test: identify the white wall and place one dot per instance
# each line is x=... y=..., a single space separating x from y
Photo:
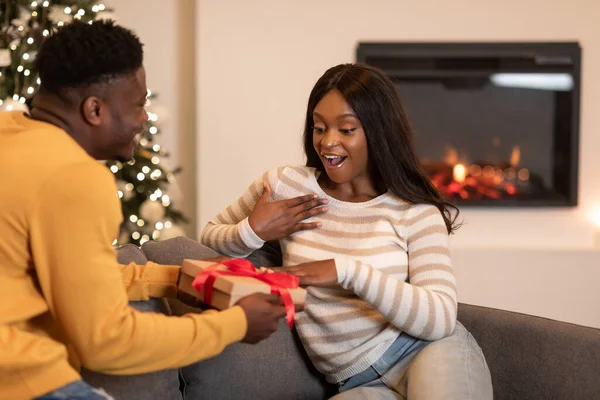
x=167 y=30
x=258 y=60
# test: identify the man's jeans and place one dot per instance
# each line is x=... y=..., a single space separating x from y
x=78 y=390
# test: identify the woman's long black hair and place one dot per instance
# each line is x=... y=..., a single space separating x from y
x=392 y=157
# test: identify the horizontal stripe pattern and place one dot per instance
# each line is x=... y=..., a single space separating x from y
x=393 y=266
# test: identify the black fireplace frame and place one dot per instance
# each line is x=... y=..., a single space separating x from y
x=407 y=59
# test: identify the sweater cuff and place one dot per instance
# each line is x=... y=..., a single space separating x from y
x=162 y=280
x=249 y=237
x=150 y=280
x=341 y=265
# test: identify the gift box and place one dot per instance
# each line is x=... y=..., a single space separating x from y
x=231 y=280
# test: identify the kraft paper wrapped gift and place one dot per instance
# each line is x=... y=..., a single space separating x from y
x=228 y=289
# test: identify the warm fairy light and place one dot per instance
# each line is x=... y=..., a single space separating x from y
x=133 y=218
x=141 y=176
x=459 y=172
x=135 y=235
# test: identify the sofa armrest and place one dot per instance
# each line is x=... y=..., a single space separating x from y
x=535 y=358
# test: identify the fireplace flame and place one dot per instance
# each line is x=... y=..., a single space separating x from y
x=459 y=173
x=451 y=156
x=515 y=156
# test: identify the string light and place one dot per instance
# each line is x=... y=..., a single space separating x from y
x=67 y=10
x=140 y=222
x=158 y=193
x=166 y=201
x=129 y=187
x=46 y=32
x=114 y=169
x=155 y=174
x=26 y=72
x=34 y=4
x=145 y=169
x=168 y=224
x=30 y=40
x=144 y=239
x=153 y=130
x=135 y=235
x=155 y=160
x=159 y=225
x=156 y=147
x=20 y=68
x=133 y=218
x=156 y=235
x=46 y=3
x=120 y=194
x=141 y=177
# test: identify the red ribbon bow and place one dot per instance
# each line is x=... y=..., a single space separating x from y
x=279 y=282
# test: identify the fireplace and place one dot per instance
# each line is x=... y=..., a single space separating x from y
x=496 y=124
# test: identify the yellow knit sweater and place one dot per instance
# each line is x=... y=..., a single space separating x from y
x=63 y=302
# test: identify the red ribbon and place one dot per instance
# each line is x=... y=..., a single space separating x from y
x=279 y=282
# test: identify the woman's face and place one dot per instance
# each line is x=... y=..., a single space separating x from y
x=339 y=139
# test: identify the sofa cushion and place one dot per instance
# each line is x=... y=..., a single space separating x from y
x=174 y=251
x=535 y=358
x=274 y=369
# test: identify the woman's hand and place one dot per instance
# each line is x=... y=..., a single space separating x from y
x=279 y=219
x=316 y=273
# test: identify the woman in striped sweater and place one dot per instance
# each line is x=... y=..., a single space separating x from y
x=367 y=233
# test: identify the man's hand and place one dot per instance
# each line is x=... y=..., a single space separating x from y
x=279 y=219
x=263 y=312
x=316 y=273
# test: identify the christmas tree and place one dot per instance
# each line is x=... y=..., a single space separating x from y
x=146 y=186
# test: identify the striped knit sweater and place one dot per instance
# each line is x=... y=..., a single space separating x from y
x=393 y=268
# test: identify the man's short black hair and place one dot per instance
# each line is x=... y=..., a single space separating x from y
x=80 y=54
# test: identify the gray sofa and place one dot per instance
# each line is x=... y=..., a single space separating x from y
x=529 y=357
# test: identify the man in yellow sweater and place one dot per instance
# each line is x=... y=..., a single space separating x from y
x=63 y=302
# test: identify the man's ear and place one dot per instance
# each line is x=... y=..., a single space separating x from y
x=93 y=109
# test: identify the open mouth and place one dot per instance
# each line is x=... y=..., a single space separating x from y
x=334 y=160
